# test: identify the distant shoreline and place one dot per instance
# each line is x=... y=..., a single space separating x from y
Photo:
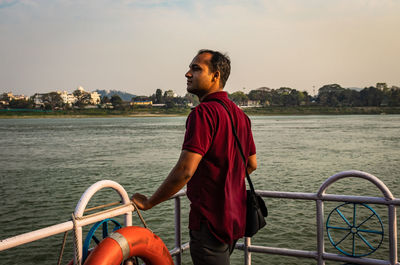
x=175 y=112
x=319 y=110
x=78 y=116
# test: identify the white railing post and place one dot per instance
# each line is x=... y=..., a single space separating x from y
x=247 y=253
x=84 y=200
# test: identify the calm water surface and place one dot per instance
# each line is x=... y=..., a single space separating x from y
x=46 y=165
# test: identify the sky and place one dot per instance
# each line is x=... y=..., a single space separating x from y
x=138 y=46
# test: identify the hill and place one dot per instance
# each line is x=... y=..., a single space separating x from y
x=109 y=93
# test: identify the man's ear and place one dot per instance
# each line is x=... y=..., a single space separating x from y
x=216 y=76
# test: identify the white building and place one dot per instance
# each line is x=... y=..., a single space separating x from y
x=9 y=96
x=68 y=99
x=94 y=98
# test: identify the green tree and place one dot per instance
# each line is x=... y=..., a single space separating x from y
x=52 y=101
x=394 y=97
x=159 y=97
x=116 y=101
x=288 y=96
x=276 y=98
x=329 y=95
x=329 y=88
x=371 y=96
x=168 y=94
x=104 y=100
x=180 y=101
x=83 y=98
x=239 y=98
x=191 y=98
x=169 y=104
x=304 y=98
x=295 y=97
x=21 y=104
x=78 y=94
x=262 y=95
x=4 y=97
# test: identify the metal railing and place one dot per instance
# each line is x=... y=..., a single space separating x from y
x=125 y=209
x=319 y=197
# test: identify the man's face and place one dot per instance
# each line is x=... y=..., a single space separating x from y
x=199 y=77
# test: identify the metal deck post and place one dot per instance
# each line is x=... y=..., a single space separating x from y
x=178 y=237
x=320 y=232
x=392 y=235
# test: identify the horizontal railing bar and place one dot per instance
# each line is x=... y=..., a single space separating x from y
x=67 y=226
x=279 y=251
x=313 y=196
x=310 y=254
x=60 y=228
x=176 y=251
x=336 y=257
x=360 y=199
x=35 y=235
x=288 y=195
x=327 y=197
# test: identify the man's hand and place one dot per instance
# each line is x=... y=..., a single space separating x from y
x=141 y=201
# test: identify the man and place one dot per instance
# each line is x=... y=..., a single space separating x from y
x=211 y=165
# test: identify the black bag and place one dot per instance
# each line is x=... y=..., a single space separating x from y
x=255 y=213
x=256 y=208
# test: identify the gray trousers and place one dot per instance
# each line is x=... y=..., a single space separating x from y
x=205 y=249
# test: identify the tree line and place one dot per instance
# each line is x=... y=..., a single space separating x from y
x=332 y=95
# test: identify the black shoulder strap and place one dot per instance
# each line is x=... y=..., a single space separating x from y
x=238 y=143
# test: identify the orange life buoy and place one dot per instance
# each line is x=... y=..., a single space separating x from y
x=131 y=241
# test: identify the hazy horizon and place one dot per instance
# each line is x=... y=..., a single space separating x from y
x=137 y=46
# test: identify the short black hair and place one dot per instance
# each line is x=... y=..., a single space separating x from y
x=219 y=62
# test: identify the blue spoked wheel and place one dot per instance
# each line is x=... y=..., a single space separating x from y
x=105 y=232
x=355 y=229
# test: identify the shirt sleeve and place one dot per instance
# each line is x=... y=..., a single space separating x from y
x=252 y=150
x=252 y=146
x=199 y=131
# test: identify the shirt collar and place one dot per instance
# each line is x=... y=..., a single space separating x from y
x=216 y=95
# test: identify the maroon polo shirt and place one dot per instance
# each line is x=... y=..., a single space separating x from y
x=217 y=190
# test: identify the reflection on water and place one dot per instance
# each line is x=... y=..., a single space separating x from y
x=46 y=164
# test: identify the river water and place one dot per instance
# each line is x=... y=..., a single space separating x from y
x=46 y=164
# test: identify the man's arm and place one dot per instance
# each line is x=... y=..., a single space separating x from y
x=176 y=180
x=251 y=164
